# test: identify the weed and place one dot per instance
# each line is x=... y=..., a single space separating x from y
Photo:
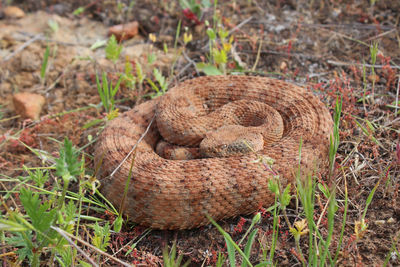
x=170 y=258
x=78 y=11
x=44 y=64
x=218 y=57
x=101 y=237
x=161 y=81
x=233 y=247
x=373 y=51
x=107 y=92
x=113 y=49
x=34 y=233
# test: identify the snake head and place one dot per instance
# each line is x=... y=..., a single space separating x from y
x=231 y=140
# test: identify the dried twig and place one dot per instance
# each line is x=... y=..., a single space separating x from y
x=338 y=63
x=133 y=148
x=68 y=237
x=397 y=96
x=23 y=46
x=64 y=234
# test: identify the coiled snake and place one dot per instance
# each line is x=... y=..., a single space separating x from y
x=176 y=194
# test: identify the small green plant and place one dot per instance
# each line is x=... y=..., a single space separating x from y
x=233 y=247
x=53 y=25
x=318 y=251
x=101 y=237
x=170 y=260
x=161 y=81
x=32 y=233
x=107 y=92
x=334 y=139
x=113 y=49
x=45 y=62
x=219 y=49
x=78 y=11
x=374 y=52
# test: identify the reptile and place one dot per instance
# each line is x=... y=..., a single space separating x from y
x=222 y=180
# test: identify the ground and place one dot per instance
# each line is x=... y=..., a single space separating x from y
x=324 y=46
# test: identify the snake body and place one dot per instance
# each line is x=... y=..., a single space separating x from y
x=177 y=194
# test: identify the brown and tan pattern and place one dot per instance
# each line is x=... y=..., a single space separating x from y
x=176 y=194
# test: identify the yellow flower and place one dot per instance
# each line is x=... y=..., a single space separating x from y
x=299 y=229
x=152 y=37
x=113 y=114
x=360 y=228
x=187 y=37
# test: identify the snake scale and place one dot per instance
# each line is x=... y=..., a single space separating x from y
x=176 y=194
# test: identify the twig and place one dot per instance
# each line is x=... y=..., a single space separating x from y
x=23 y=46
x=133 y=148
x=381 y=35
x=258 y=55
x=191 y=62
x=60 y=76
x=241 y=24
x=338 y=63
x=66 y=235
x=397 y=95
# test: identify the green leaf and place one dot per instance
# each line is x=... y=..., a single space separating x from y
x=41 y=218
x=286 y=196
x=249 y=244
x=45 y=61
x=84 y=264
x=118 y=224
x=101 y=238
x=68 y=165
x=92 y=123
x=152 y=57
x=98 y=44
x=11 y=226
x=220 y=56
x=19 y=240
x=231 y=252
x=161 y=80
x=113 y=50
x=211 y=34
x=229 y=241
x=78 y=11
x=208 y=69
x=273 y=186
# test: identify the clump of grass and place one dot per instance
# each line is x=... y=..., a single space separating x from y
x=41 y=229
x=107 y=92
x=233 y=247
x=113 y=49
x=170 y=260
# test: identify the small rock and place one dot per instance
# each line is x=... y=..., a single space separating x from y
x=283 y=66
x=124 y=31
x=391 y=220
x=13 y=12
x=28 y=105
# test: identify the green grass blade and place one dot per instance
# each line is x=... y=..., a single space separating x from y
x=45 y=62
x=249 y=245
x=229 y=240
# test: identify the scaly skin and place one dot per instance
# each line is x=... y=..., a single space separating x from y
x=176 y=194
